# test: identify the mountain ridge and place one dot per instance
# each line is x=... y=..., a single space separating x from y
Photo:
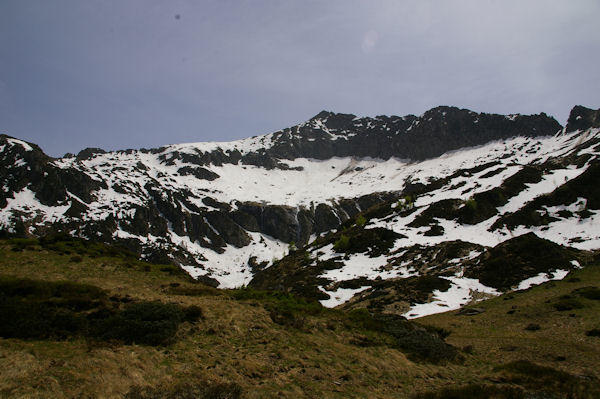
x=225 y=211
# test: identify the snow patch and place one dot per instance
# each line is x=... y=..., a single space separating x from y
x=460 y=293
x=542 y=278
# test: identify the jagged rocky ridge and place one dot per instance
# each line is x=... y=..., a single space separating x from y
x=224 y=211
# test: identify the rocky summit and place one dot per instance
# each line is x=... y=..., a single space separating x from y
x=411 y=215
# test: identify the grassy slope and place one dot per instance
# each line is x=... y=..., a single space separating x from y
x=238 y=342
x=499 y=335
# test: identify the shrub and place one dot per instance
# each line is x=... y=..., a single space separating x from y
x=474 y=391
x=284 y=308
x=567 y=303
x=203 y=390
x=421 y=345
x=31 y=309
x=417 y=342
x=549 y=382
x=360 y=220
x=363 y=319
x=471 y=204
x=595 y=332
x=588 y=293
x=146 y=323
x=193 y=313
x=533 y=327
x=20 y=244
x=342 y=243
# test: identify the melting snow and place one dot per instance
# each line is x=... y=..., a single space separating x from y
x=542 y=278
x=460 y=293
x=339 y=296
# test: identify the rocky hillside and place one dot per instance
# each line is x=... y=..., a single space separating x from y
x=357 y=203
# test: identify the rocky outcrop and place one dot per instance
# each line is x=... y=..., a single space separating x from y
x=437 y=131
x=582 y=118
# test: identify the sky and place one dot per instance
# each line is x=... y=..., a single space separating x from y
x=121 y=74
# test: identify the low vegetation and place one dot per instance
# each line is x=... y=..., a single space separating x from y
x=33 y=309
x=154 y=333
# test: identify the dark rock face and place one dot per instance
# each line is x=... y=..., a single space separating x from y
x=439 y=130
x=21 y=168
x=520 y=258
x=198 y=173
x=89 y=153
x=582 y=118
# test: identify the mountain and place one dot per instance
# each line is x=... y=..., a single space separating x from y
x=407 y=214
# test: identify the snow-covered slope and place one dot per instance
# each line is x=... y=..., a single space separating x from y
x=227 y=211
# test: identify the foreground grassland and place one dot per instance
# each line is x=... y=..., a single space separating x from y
x=541 y=343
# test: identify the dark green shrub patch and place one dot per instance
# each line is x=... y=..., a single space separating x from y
x=548 y=382
x=475 y=391
x=284 y=308
x=199 y=290
x=420 y=343
x=32 y=309
x=20 y=244
x=533 y=327
x=203 y=390
x=588 y=293
x=595 y=332
x=342 y=244
x=66 y=294
x=146 y=323
x=67 y=245
x=567 y=303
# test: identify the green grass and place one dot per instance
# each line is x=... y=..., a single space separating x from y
x=264 y=344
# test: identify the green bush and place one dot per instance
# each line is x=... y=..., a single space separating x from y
x=595 y=332
x=361 y=318
x=146 y=323
x=550 y=382
x=284 y=308
x=428 y=283
x=567 y=303
x=361 y=220
x=20 y=244
x=475 y=391
x=421 y=345
x=193 y=313
x=67 y=245
x=31 y=309
x=533 y=327
x=203 y=390
x=471 y=204
x=38 y=320
x=342 y=243
x=588 y=293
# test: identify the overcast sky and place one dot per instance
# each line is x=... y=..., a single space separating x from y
x=140 y=73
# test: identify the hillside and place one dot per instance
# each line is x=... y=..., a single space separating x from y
x=256 y=344
x=336 y=206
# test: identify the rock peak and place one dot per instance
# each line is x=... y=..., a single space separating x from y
x=582 y=118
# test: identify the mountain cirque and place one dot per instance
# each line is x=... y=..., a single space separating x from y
x=410 y=214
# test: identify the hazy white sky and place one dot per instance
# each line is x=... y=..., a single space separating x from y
x=142 y=73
